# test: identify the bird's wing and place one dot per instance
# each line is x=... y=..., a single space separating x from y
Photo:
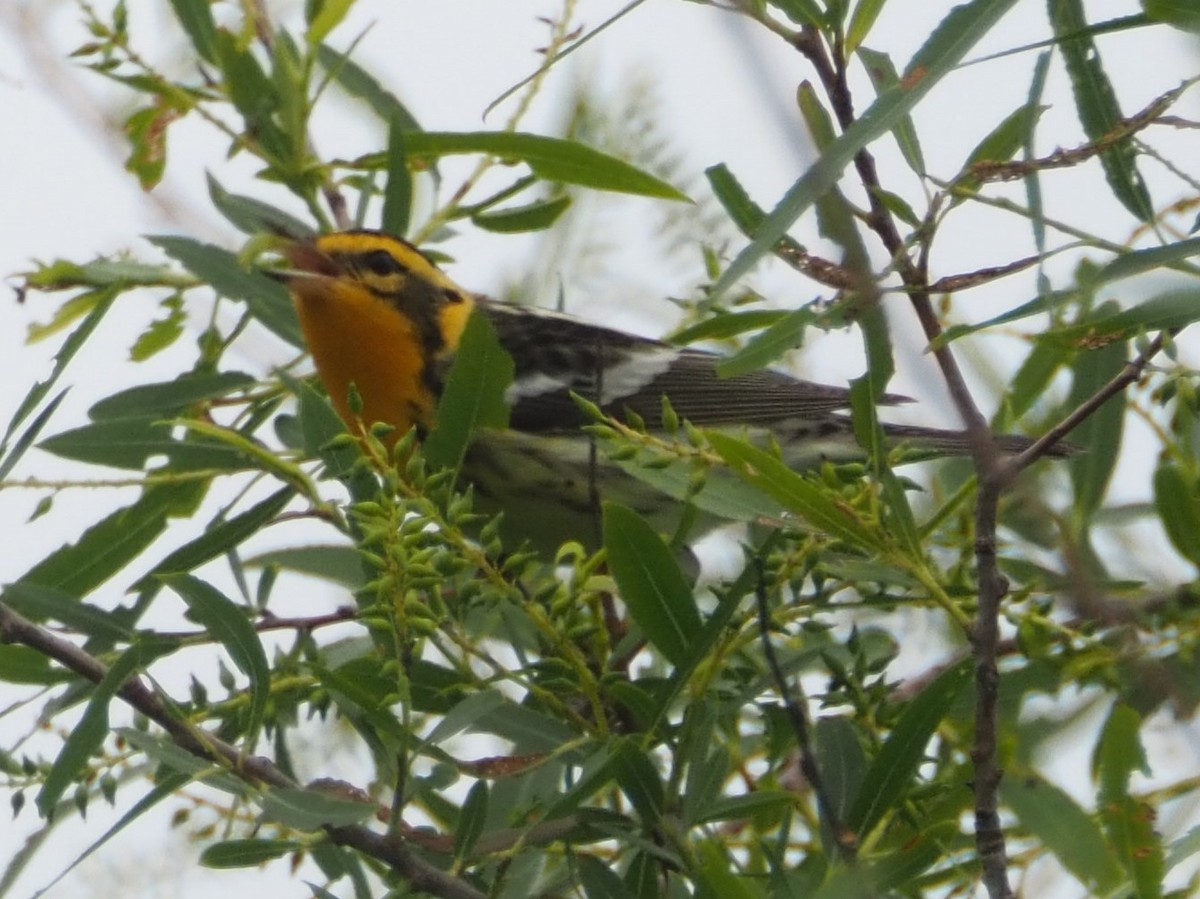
x=555 y=355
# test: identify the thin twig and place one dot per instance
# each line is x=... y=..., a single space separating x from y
x=256 y=770
x=794 y=703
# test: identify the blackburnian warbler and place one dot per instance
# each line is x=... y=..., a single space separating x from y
x=379 y=315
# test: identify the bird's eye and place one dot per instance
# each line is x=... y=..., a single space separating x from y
x=381 y=262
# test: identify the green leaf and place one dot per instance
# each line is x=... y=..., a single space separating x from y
x=251 y=216
x=472 y=820
x=358 y=82
x=41 y=389
x=226 y=622
x=474 y=393
x=168 y=398
x=197 y=20
x=1001 y=143
x=796 y=493
x=785 y=334
x=329 y=15
x=639 y=780
x=747 y=805
x=22 y=665
x=1137 y=262
x=39 y=603
x=746 y=214
x=86 y=737
x=841 y=761
x=252 y=93
x=897 y=762
x=220 y=539
x=650 y=582
x=726 y=325
x=598 y=879
x=397 y=191
x=1097 y=106
x=246 y=853
x=861 y=21
x=1064 y=828
x=1180 y=13
x=130 y=443
x=465 y=715
x=536 y=216
x=1102 y=432
x=28 y=437
x=162 y=332
x=954 y=37
x=884 y=77
x=310 y=810
x=178 y=760
x=267 y=300
x=336 y=564
x=802 y=12
x=1129 y=822
x=1177 y=502
x=114 y=541
x=552 y=159
x=147 y=132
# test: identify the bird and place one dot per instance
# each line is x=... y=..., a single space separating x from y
x=383 y=321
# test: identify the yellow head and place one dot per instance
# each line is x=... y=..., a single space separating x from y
x=377 y=314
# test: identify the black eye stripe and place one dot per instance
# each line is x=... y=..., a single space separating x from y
x=381 y=262
x=452 y=296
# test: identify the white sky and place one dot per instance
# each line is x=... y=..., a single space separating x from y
x=724 y=93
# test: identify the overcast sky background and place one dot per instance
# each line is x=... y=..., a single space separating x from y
x=723 y=91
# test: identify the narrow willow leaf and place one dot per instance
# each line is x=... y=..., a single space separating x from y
x=311 y=810
x=953 y=38
x=651 y=585
x=168 y=398
x=22 y=665
x=87 y=736
x=1177 y=502
x=471 y=820
x=226 y=622
x=253 y=216
x=1102 y=432
x=474 y=393
x=358 y=82
x=537 y=216
x=552 y=159
x=897 y=761
x=1055 y=819
x=795 y=493
x=109 y=545
x=246 y=853
x=40 y=603
x=884 y=77
x=398 y=188
x=785 y=334
x=1097 y=106
x=267 y=300
x=220 y=539
x=197 y=20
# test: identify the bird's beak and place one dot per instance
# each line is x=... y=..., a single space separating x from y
x=303 y=259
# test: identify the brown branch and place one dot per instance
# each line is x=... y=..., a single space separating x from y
x=985 y=639
x=967 y=280
x=1038 y=449
x=256 y=770
x=845 y=839
x=987 y=170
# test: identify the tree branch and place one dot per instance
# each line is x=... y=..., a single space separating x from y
x=257 y=770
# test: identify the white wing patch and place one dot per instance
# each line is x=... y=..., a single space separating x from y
x=536 y=384
x=635 y=372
